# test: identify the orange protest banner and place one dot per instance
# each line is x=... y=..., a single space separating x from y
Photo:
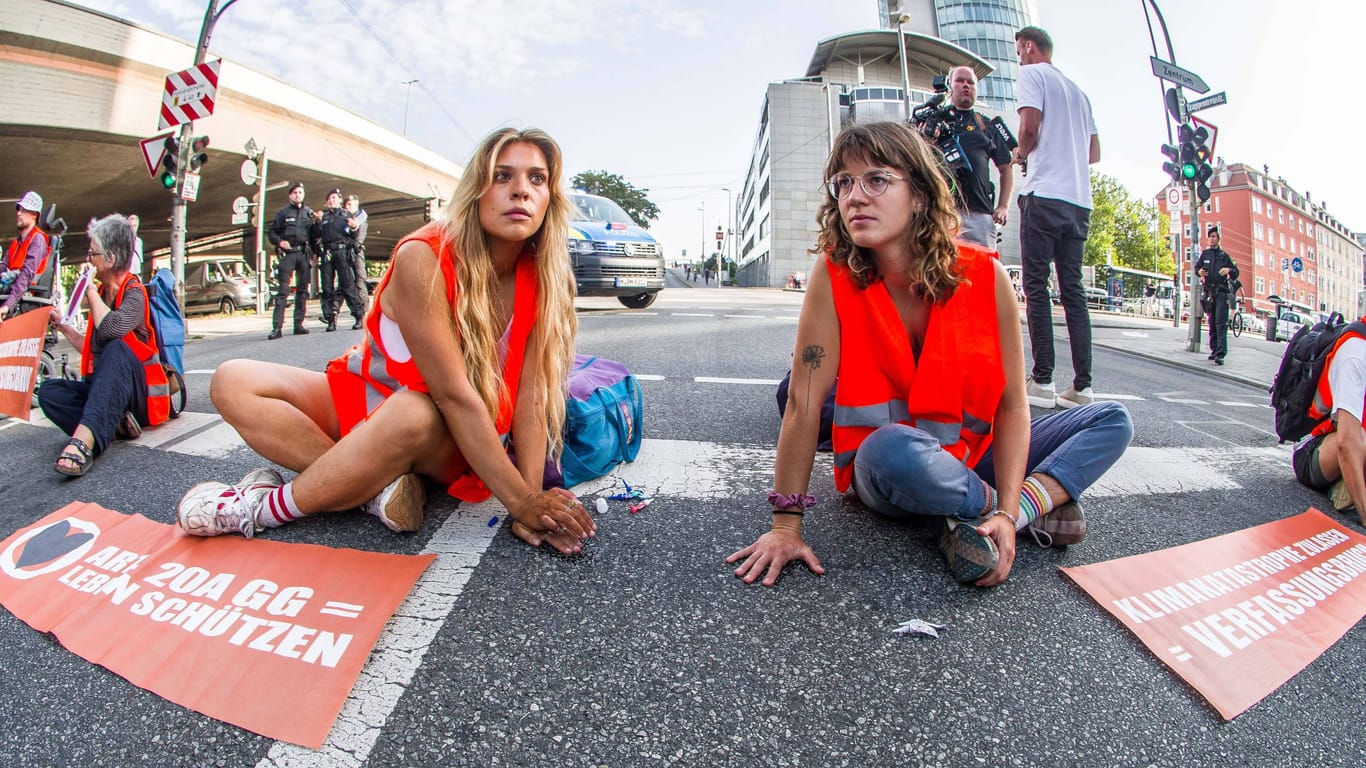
x=21 y=341
x=1238 y=615
x=264 y=635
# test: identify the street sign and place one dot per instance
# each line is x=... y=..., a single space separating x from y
x=1174 y=74
x=249 y=176
x=1297 y=264
x=153 y=150
x=1213 y=100
x=1213 y=132
x=1285 y=265
x=1173 y=198
x=189 y=94
x=1174 y=225
x=239 y=204
x=239 y=219
x=189 y=190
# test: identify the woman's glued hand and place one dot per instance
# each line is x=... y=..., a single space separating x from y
x=553 y=517
x=771 y=552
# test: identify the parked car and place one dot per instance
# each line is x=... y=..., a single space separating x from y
x=1288 y=323
x=219 y=285
x=1098 y=298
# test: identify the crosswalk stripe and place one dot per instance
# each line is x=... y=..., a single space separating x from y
x=720 y=380
x=1183 y=401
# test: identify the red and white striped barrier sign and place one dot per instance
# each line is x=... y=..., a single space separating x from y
x=189 y=94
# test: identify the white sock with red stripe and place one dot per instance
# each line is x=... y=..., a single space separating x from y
x=278 y=507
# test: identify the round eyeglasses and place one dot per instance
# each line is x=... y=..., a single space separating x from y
x=874 y=183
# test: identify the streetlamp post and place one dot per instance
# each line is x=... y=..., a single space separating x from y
x=407 y=94
x=729 y=229
x=905 y=71
x=703 y=252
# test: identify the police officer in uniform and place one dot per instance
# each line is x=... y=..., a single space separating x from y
x=362 y=220
x=336 y=237
x=1217 y=274
x=291 y=233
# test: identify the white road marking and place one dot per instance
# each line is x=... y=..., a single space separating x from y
x=694 y=314
x=1183 y=401
x=1108 y=396
x=1236 y=404
x=200 y=371
x=648 y=376
x=1135 y=334
x=718 y=380
x=746 y=317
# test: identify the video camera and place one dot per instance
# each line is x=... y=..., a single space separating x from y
x=933 y=121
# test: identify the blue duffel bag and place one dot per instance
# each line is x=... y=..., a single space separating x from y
x=602 y=421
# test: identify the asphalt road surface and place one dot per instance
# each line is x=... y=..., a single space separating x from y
x=646 y=650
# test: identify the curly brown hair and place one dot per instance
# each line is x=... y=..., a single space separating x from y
x=934 y=272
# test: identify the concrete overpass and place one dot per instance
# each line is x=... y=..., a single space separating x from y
x=79 y=89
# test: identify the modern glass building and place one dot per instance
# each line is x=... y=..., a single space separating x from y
x=985 y=27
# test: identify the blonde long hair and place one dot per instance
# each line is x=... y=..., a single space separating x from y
x=933 y=268
x=556 y=323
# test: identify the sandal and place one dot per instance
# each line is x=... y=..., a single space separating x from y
x=82 y=458
x=129 y=428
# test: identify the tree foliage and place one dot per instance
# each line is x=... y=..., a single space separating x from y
x=1126 y=231
x=620 y=191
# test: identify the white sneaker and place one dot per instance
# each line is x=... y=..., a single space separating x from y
x=211 y=509
x=256 y=484
x=1040 y=395
x=399 y=505
x=1072 y=398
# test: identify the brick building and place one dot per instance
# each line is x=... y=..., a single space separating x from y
x=1285 y=245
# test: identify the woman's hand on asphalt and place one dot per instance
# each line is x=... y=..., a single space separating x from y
x=771 y=552
x=553 y=517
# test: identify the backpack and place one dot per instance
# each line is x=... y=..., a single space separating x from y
x=1302 y=365
x=602 y=422
x=168 y=319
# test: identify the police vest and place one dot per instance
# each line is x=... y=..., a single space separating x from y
x=18 y=251
x=951 y=392
x=381 y=375
x=158 y=387
x=1321 y=409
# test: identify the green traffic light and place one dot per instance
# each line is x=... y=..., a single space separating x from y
x=168 y=180
x=1188 y=171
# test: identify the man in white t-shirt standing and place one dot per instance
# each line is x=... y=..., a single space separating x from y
x=1058 y=144
x=1332 y=459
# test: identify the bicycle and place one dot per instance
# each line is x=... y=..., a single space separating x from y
x=1236 y=324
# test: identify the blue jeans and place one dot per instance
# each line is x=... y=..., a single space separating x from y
x=901 y=470
x=117 y=385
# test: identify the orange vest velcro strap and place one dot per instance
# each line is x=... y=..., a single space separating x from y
x=1322 y=407
x=951 y=391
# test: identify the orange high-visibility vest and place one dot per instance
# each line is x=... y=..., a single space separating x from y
x=1322 y=407
x=951 y=392
x=18 y=251
x=158 y=387
x=366 y=375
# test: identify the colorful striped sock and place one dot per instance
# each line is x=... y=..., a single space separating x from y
x=1034 y=502
x=278 y=507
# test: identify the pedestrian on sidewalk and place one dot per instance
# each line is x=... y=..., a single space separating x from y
x=1217 y=274
x=1058 y=143
x=466 y=354
x=930 y=413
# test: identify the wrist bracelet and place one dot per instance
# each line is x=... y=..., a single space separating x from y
x=1013 y=521
x=784 y=500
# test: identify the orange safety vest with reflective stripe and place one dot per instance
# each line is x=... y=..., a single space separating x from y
x=951 y=392
x=18 y=251
x=368 y=372
x=1322 y=407
x=158 y=387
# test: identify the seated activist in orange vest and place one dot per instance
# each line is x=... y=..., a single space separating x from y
x=466 y=349
x=930 y=410
x=123 y=387
x=1332 y=457
x=26 y=255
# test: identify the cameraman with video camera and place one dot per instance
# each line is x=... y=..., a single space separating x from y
x=969 y=145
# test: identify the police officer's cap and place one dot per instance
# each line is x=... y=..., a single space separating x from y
x=295 y=185
x=334 y=191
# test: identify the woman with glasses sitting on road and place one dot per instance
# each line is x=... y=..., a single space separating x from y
x=924 y=336
x=123 y=386
x=467 y=348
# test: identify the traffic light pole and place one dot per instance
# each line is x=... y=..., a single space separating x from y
x=179 y=205
x=1196 y=309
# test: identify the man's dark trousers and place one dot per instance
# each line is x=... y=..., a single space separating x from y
x=1053 y=232
x=1218 y=324
x=292 y=263
x=339 y=281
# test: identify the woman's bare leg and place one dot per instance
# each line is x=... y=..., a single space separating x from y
x=284 y=413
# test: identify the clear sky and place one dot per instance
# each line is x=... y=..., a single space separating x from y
x=668 y=94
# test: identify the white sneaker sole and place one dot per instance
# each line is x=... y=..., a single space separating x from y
x=1043 y=402
x=1065 y=403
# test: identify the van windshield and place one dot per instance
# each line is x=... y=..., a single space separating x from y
x=592 y=208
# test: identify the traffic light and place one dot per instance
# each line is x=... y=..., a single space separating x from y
x=1203 y=171
x=199 y=153
x=170 y=163
x=1186 y=135
x=1172 y=168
